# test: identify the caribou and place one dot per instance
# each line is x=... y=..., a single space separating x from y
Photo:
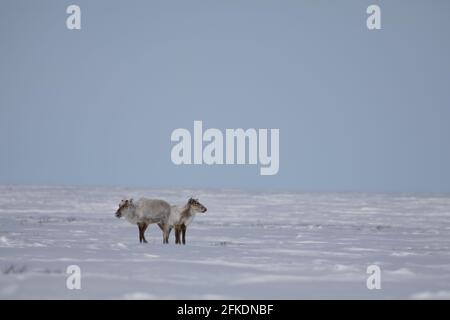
x=147 y=211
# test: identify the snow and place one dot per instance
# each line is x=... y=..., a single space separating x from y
x=260 y=245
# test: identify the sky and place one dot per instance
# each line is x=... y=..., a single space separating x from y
x=357 y=110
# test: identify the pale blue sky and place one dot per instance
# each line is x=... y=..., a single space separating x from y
x=357 y=109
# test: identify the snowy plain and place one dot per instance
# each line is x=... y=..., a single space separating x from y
x=260 y=245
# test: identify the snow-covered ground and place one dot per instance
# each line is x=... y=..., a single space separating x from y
x=248 y=245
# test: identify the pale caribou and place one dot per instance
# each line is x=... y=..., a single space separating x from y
x=147 y=211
